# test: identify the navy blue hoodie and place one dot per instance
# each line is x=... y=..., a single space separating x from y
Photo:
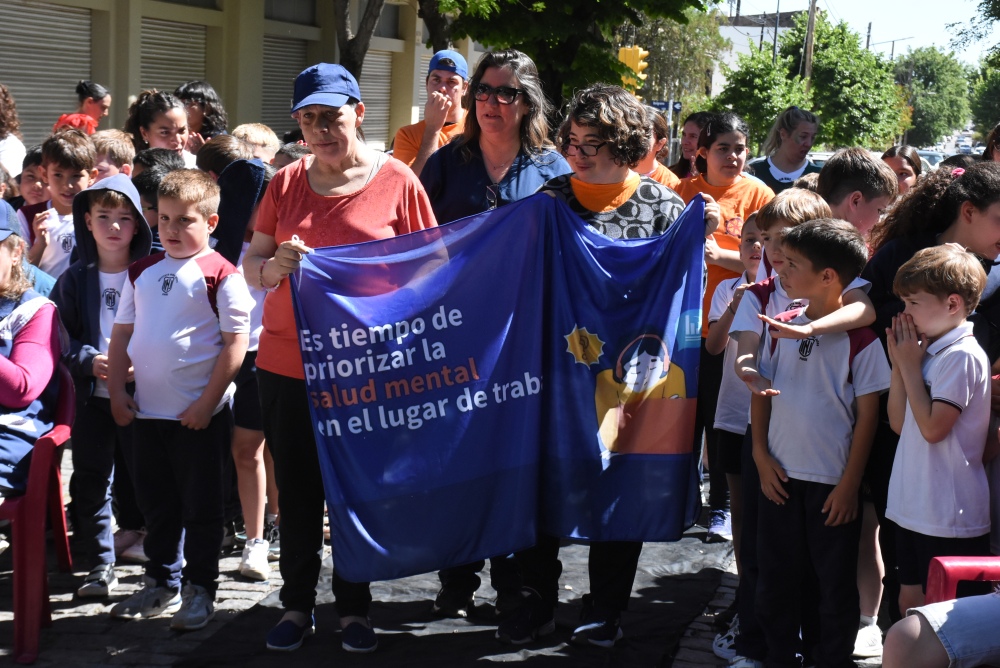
x=78 y=291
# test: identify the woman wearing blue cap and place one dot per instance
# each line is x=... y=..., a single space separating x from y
x=344 y=193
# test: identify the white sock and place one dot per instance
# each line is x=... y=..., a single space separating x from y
x=868 y=621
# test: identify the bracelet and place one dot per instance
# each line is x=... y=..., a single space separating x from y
x=260 y=278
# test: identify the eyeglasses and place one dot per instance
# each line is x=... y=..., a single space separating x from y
x=586 y=150
x=505 y=94
x=493 y=195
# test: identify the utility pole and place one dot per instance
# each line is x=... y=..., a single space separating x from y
x=737 y=8
x=810 y=40
x=774 y=49
x=869 y=40
x=760 y=46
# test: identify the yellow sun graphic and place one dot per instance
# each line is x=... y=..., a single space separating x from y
x=587 y=348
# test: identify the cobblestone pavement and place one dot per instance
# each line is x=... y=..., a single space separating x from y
x=84 y=635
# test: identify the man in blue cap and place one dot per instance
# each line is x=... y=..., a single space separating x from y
x=447 y=81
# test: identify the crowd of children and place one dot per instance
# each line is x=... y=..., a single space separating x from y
x=850 y=331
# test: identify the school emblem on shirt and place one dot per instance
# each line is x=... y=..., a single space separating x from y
x=66 y=242
x=167 y=283
x=806 y=347
x=111 y=299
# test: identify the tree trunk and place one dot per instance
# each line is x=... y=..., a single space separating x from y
x=353 y=48
x=438 y=25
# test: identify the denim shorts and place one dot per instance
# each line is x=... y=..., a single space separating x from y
x=967 y=628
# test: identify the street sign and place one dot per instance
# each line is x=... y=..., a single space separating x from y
x=662 y=105
x=677 y=106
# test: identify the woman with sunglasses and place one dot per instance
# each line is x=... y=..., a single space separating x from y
x=504 y=153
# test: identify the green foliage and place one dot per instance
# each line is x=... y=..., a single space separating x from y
x=571 y=41
x=853 y=91
x=758 y=91
x=682 y=57
x=986 y=99
x=936 y=88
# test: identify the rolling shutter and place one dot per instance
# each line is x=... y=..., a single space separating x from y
x=376 y=89
x=425 y=62
x=172 y=53
x=284 y=58
x=46 y=51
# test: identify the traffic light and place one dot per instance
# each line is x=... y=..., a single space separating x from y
x=633 y=57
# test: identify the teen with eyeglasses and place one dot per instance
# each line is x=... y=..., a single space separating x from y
x=504 y=153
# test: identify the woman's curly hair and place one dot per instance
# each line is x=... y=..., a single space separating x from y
x=619 y=118
x=9 y=122
x=932 y=205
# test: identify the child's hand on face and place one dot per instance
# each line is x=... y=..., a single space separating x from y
x=841 y=505
x=194 y=142
x=784 y=330
x=197 y=415
x=40 y=226
x=771 y=477
x=906 y=345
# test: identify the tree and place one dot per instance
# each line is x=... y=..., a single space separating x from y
x=853 y=91
x=682 y=56
x=937 y=90
x=438 y=17
x=986 y=99
x=354 y=46
x=979 y=28
x=758 y=90
x=571 y=41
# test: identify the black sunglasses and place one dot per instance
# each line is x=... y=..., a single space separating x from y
x=505 y=94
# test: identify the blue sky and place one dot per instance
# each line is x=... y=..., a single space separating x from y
x=925 y=21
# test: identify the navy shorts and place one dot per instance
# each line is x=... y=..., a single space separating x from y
x=730 y=451
x=914 y=552
x=246 y=401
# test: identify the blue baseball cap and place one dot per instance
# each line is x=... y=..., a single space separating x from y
x=326 y=84
x=9 y=223
x=459 y=66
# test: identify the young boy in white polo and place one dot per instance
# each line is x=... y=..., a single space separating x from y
x=183 y=324
x=939 y=404
x=812 y=433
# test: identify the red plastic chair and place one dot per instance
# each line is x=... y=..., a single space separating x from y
x=944 y=574
x=27 y=515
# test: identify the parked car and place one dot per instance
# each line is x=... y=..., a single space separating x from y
x=932 y=157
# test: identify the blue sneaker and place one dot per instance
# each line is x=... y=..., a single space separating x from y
x=288 y=636
x=358 y=638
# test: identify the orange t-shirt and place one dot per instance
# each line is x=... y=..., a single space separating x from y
x=392 y=203
x=663 y=175
x=407 y=143
x=736 y=203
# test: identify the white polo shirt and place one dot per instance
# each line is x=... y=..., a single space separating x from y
x=940 y=489
x=179 y=309
x=734 y=396
x=812 y=420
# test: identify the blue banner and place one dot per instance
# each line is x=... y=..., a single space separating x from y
x=508 y=373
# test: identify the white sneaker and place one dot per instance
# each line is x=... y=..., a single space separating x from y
x=722 y=646
x=197 y=609
x=869 y=641
x=149 y=601
x=135 y=552
x=719 y=527
x=254 y=564
x=124 y=539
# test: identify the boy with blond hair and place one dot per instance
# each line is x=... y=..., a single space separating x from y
x=808 y=520
x=115 y=153
x=262 y=140
x=939 y=404
x=183 y=323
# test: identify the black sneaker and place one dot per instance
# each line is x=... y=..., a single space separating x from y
x=506 y=603
x=600 y=626
x=453 y=602
x=532 y=620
